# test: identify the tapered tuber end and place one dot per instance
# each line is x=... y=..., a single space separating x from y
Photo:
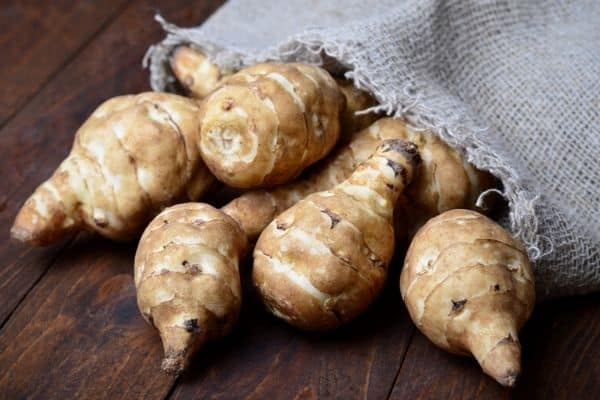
x=174 y=364
x=180 y=347
x=42 y=220
x=503 y=363
x=194 y=71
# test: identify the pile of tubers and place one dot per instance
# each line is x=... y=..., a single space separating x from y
x=327 y=195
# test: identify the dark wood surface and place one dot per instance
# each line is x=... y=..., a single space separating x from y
x=70 y=327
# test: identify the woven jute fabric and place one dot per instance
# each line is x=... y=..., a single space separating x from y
x=515 y=85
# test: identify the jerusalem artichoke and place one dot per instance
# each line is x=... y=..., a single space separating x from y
x=256 y=209
x=266 y=123
x=323 y=261
x=468 y=287
x=356 y=101
x=134 y=155
x=187 y=279
x=195 y=72
x=198 y=76
x=444 y=180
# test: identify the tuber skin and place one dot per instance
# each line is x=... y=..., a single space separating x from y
x=187 y=279
x=133 y=156
x=194 y=71
x=263 y=125
x=356 y=100
x=199 y=77
x=469 y=287
x=254 y=210
x=444 y=180
x=324 y=261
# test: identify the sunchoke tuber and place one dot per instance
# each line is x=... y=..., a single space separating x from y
x=198 y=76
x=263 y=125
x=187 y=278
x=195 y=72
x=444 y=180
x=323 y=261
x=134 y=155
x=468 y=287
x=356 y=100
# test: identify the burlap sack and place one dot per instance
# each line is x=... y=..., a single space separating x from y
x=514 y=84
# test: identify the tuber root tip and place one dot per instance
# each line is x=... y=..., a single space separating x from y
x=21 y=234
x=503 y=363
x=510 y=378
x=174 y=364
x=32 y=237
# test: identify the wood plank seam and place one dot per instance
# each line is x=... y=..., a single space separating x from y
x=63 y=65
x=53 y=260
x=173 y=387
x=102 y=27
x=395 y=381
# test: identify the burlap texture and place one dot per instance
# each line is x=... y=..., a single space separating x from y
x=513 y=84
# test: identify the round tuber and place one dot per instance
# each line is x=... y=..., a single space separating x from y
x=468 y=286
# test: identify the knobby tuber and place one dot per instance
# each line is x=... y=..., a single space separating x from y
x=323 y=261
x=187 y=278
x=468 y=287
x=256 y=209
x=194 y=71
x=443 y=181
x=356 y=100
x=263 y=125
x=134 y=155
x=199 y=77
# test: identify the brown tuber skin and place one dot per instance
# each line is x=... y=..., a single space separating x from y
x=263 y=125
x=133 y=156
x=194 y=71
x=469 y=287
x=324 y=261
x=199 y=77
x=187 y=279
x=256 y=209
x=356 y=100
x=444 y=180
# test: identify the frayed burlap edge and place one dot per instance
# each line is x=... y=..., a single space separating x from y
x=455 y=128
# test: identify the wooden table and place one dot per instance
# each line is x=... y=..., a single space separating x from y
x=70 y=327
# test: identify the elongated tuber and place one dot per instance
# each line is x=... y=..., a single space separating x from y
x=356 y=101
x=444 y=180
x=268 y=122
x=199 y=77
x=256 y=209
x=187 y=279
x=323 y=261
x=133 y=156
x=468 y=287
x=195 y=72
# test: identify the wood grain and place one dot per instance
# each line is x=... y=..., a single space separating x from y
x=266 y=359
x=79 y=334
x=73 y=329
x=431 y=373
x=38 y=38
x=561 y=360
x=561 y=351
x=40 y=135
